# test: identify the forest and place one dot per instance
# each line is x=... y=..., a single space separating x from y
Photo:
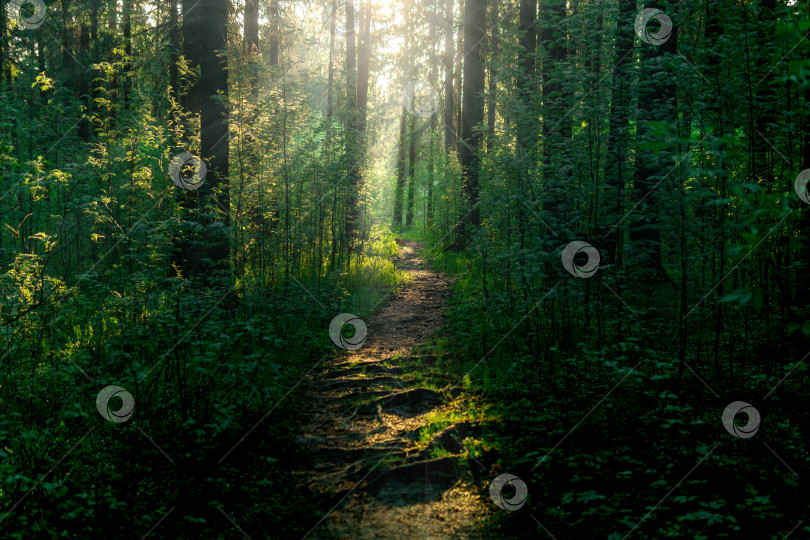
x=404 y=269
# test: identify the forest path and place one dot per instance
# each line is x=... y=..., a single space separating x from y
x=382 y=429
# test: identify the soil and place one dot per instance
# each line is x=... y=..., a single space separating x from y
x=386 y=460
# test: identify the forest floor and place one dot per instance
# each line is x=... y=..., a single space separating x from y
x=384 y=431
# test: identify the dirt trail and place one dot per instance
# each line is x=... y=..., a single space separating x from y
x=385 y=465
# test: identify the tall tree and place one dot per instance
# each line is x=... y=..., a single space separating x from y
x=449 y=132
x=411 y=171
x=357 y=98
x=174 y=50
x=399 y=188
x=251 y=26
x=803 y=275
x=556 y=105
x=3 y=46
x=127 y=51
x=492 y=51
x=656 y=107
x=616 y=167
x=472 y=116
x=208 y=96
x=275 y=17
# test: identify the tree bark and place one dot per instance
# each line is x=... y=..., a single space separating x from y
x=616 y=166
x=411 y=173
x=274 y=32
x=656 y=103
x=556 y=100
x=399 y=190
x=449 y=134
x=492 y=101
x=472 y=116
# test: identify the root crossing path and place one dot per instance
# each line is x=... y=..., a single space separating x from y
x=384 y=431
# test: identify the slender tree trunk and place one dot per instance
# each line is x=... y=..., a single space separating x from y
x=472 y=116
x=209 y=19
x=5 y=73
x=616 y=167
x=492 y=72
x=127 y=52
x=252 y=45
x=355 y=133
x=331 y=75
x=83 y=79
x=174 y=56
x=67 y=34
x=399 y=190
x=431 y=141
x=656 y=104
x=274 y=32
x=526 y=121
x=449 y=132
x=803 y=275
x=763 y=108
x=363 y=57
x=556 y=100
x=191 y=45
x=411 y=172
x=431 y=172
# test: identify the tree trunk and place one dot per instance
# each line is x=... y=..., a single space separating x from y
x=527 y=120
x=618 y=128
x=357 y=92
x=472 y=115
x=174 y=56
x=330 y=83
x=411 y=174
x=209 y=19
x=556 y=100
x=191 y=45
x=803 y=275
x=399 y=190
x=83 y=79
x=656 y=103
x=492 y=101
x=3 y=29
x=449 y=135
x=274 y=32
x=127 y=52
